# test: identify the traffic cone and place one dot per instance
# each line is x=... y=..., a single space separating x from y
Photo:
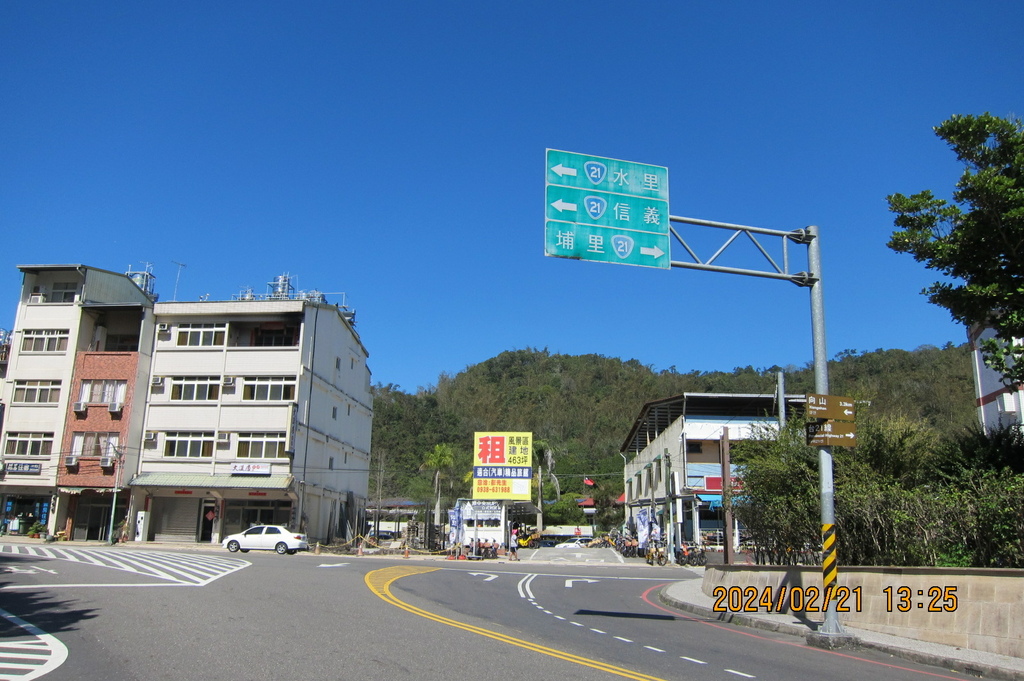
x=359 y=551
x=317 y=552
x=406 y=554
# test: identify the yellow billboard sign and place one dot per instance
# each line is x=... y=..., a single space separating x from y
x=502 y=465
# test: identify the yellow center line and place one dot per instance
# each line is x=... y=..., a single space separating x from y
x=380 y=581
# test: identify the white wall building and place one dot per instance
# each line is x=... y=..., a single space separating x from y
x=999 y=405
x=259 y=411
x=69 y=395
x=217 y=415
x=673 y=473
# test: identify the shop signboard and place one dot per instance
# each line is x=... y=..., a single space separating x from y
x=502 y=465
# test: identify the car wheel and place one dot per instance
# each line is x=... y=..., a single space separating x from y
x=245 y=550
x=233 y=546
x=281 y=548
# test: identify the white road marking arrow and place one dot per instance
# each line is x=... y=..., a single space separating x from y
x=561 y=205
x=568 y=582
x=41 y=569
x=656 y=252
x=489 y=577
x=561 y=170
x=328 y=565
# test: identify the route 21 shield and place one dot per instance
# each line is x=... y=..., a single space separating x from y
x=595 y=206
x=595 y=171
x=622 y=245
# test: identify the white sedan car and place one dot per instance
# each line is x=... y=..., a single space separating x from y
x=267 y=538
x=577 y=543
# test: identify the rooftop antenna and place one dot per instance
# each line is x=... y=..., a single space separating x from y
x=181 y=266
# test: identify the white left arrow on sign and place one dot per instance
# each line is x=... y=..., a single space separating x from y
x=486 y=575
x=561 y=205
x=561 y=170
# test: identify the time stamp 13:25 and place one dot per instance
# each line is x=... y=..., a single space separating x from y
x=809 y=599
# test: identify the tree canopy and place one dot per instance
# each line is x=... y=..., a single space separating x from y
x=978 y=239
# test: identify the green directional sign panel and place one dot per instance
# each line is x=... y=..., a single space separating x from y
x=606 y=210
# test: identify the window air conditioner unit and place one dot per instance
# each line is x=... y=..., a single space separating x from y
x=78 y=407
x=162 y=326
x=223 y=437
x=106 y=461
x=70 y=461
x=229 y=381
x=115 y=407
x=156 y=380
x=150 y=436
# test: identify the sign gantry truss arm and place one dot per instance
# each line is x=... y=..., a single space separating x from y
x=801 y=236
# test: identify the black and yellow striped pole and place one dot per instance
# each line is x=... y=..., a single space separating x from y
x=829 y=566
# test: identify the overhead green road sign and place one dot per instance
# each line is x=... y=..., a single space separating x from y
x=606 y=210
x=601 y=244
x=570 y=169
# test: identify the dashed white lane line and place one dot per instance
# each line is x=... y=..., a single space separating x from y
x=525 y=592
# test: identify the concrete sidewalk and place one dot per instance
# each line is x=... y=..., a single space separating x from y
x=687 y=596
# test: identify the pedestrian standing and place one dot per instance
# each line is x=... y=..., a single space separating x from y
x=513 y=545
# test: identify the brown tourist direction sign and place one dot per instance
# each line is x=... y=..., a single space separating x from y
x=830 y=407
x=832 y=433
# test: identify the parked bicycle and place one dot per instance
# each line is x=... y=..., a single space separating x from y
x=692 y=555
x=656 y=553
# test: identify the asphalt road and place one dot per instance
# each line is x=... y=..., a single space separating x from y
x=128 y=614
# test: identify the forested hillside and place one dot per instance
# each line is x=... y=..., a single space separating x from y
x=582 y=406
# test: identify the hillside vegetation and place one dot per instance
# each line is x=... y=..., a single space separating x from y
x=582 y=407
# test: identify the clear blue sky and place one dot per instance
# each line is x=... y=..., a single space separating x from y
x=394 y=151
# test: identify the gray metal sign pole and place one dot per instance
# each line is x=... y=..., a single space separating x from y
x=812 y=278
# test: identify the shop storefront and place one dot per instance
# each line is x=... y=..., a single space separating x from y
x=170 y=507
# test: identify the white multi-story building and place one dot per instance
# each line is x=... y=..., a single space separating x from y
x=259 y=411
x=673 y=473
x=999 y=405
x=216 y=415
x=70 y=403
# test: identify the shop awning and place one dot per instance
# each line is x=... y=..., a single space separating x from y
x=715 y=500
x=186 y=480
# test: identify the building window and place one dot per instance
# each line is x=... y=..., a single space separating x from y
x=195 y=388
x=269 y=388
x=63 y=292
x=694 y=447
x=334 y=413
x=197 y=335
x=94 y=444
x=103 y=391
x=189 y=445
x=330 y=463
x=275 y=335
x=45 y=340
x=36 y=392
x=29 y=444
x=261 y=445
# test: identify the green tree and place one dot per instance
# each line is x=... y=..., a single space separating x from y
x=978 y=240
x=440 y=461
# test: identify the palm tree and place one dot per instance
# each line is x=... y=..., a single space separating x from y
x=440 y=460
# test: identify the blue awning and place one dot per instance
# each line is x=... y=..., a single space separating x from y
x=714 y=499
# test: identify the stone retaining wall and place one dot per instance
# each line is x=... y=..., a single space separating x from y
x=981 y=609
